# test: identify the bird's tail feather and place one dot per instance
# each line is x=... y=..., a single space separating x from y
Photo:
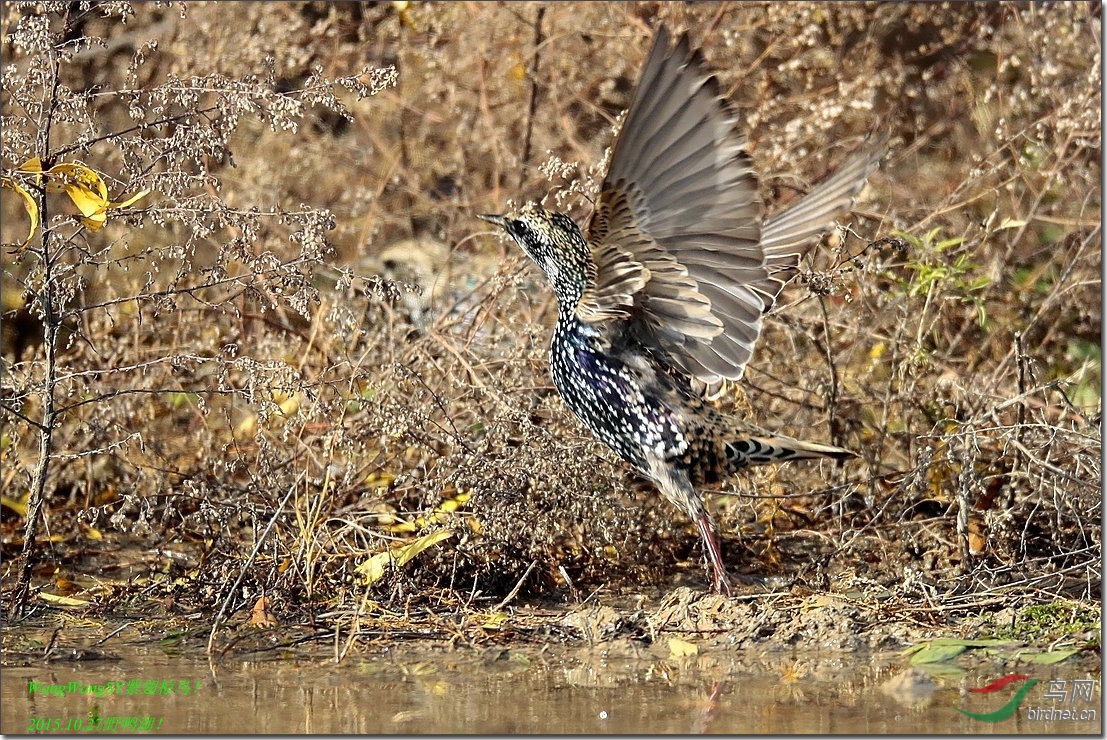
x=772 y=449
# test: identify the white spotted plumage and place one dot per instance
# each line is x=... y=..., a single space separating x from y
x=667 y=291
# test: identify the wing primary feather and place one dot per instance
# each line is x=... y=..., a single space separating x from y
x=812 y=214
x=683 y=260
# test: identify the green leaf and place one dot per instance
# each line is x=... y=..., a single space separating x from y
x=943 y=649
x=1053 y=656
x=937 y=654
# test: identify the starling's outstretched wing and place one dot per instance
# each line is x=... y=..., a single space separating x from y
x=680 y=200
x=784 y=234
x=677 y=233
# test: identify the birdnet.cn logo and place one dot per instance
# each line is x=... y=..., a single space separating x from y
x=1066 y=700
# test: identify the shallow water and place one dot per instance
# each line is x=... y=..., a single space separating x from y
x=620 y=688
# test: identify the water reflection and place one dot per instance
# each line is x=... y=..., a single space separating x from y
x=621 y=688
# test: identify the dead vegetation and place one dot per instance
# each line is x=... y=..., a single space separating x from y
x=242 y=395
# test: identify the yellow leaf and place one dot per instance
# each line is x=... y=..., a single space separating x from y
x=439 y=515
x=92 y=207
x=379 y=479
x=86 y=188
x=29 y=205
x=495 y=621
x=131 y=200
x=62 y=600
x=287 y=404
x=19 y=506
x=34 y=164
x=453 y=504
x=290 y=404
x=682 y=649
x=375 y=567
x=71 y=173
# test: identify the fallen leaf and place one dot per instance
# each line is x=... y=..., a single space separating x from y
x=373 y=569
x=260 y=614
x=682 y=648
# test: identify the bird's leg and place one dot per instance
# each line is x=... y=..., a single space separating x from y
x=711 y=545
x=675 y=485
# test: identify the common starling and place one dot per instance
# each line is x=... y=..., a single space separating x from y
x=666 y=292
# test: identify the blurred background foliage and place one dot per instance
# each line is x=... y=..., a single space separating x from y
x=304 y=323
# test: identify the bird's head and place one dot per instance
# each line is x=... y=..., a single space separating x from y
x=555 y=243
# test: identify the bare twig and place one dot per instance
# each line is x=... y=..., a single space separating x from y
x=532 y=109
x=249 y=561
x=515 y=591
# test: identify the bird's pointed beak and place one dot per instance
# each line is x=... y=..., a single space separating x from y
x=494 y=218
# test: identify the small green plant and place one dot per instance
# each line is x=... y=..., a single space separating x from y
x=1048 y=622
x=941 y=270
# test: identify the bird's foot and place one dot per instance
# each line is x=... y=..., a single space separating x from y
x=722 y=581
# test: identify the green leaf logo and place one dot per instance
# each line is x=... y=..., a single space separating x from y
x=1011 y=706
